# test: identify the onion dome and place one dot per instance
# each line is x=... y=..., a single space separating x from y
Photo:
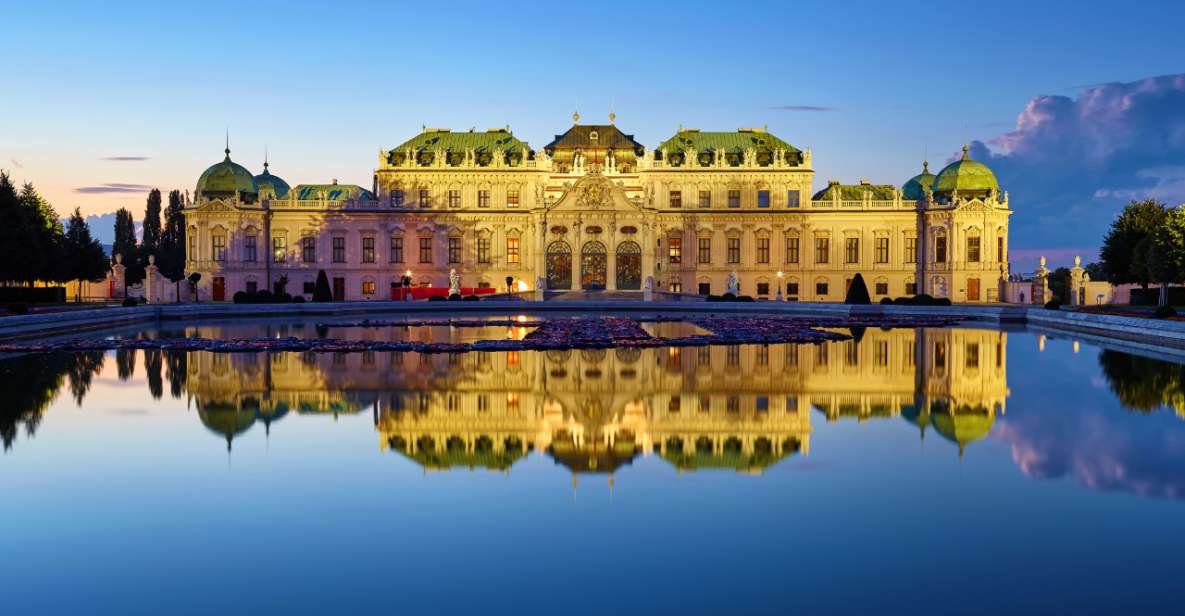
x=270 y=186
x=970 y=178
x=225 y=418
x=914 y=189
x=964 y=425
x=226 y=180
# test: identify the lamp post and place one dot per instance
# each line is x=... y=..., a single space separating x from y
x=407 y=286
x=779 y=296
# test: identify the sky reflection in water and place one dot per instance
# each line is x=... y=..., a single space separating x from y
x=843 y=476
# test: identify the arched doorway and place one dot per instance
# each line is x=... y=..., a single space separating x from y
x=629 y=266
x=559 y=265
x=593 y=264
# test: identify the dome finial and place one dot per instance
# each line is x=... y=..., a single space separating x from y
x=612 y=117
x=227 y=150
x=925 y=166
x=966 y=156
x=576 y=117
x=265 y=159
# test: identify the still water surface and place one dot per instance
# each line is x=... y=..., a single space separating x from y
x=931 y=470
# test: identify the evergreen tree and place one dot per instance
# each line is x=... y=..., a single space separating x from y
x=151 y=232
x=82 y=254
x=42 y=238
x=170 y=257
x=11 y=235
x=857 y=292
x=322 y=292
x=125 y=245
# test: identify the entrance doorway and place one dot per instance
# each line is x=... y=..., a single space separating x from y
x=219 y=292
x=559 y=265
x=973 y=289
x=593 y=266
x=629 y=266
x=339 y=289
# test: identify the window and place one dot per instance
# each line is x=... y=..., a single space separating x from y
x=454 y=198
x=193 y=246
x=822 y=248
x=512 y=254
x=308 y=249
x=705 y=250
x=705 y=198
x=763 y=288
x=791 y=250
x=792 y=288
x=911 y=288
x=882 y=250
x=676 y=198
x=820 y=288
x=483 y=198
x=368 y=287
x=674 y=404
x=940 y=249
x=425 y=198
x=396 y=250
x=483 y=250
x=339 y=250
x=218 y=244
x=851 y=250
x=279 y=249
x=971 y=359
x=705 y=288
x=763 y=250
x=734 y=250
x=973 y=249
x=368 y=250
x=675 y=250
x=675 y=287
x=792 y=198
x=882 y=288
x=425 y=250
x=763 y=198
x=512 y=198
x=454 y=250
x=250 y=251
x=734 y=198
x=396 y=198
x=1000 y=249
x=911 y=250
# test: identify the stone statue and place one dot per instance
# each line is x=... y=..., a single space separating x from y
x=734 y=283
x=454 y=282
x=1077 y=261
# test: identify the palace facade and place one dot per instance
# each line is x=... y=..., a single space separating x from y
x=594 y=209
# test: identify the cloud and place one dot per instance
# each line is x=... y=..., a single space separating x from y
x=807 y=108
x=16 y=163
x=114 y=187
x=1070 y=164
x=124 y=158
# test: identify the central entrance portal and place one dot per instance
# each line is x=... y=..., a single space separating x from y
x=629 y=266
x=593 y=266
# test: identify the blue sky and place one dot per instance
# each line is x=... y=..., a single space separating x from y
x=324 y=86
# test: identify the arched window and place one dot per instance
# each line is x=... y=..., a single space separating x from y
x=559 y=265
x=629 y=266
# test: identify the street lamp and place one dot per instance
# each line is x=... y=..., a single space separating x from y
x=779 y=297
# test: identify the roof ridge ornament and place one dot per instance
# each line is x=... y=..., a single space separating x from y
x=576 y=117
x=966 y=156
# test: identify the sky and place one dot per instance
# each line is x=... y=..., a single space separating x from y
x=1078 y=106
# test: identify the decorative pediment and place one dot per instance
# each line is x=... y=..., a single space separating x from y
x=973 y=205
x=215 y=206
x=594 y=192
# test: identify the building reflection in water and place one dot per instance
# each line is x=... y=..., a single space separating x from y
x=734 y=407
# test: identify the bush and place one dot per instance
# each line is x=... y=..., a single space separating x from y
x=18 y=308
x=435 y=298
x=297 y=299
x=744 y=298
x=1053 y=304
x=887 y=301
x=472 y=298
x=282 y=298
x=857 y=292
x=240 y=297
x=321 y=292
x=941 y=301
x=454 y=297
x=129 y=302
x=263 y=296
x=728 y=297
x=1164 y=312
x=33 y=295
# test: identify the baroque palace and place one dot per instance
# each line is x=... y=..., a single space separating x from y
x=596 y=210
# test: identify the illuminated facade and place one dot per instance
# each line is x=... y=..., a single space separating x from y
x=736 y=407
x=596 y=210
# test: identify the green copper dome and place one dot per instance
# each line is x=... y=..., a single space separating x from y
x=270 y=186
x=963 y=426
x=227 y=179
x=914 y=189
x=971 y=178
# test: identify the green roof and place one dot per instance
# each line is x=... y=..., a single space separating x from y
x=271 y=186
x=225 y=179
x=914 y=189
x=732 y=143
x=331 y=192
x=969 y=177
x=482 y=143
x=963 y=426
x=855 y=192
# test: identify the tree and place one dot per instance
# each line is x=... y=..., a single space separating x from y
x=1097 y=272
x=41 y=238
x=857 y=292
x=1138 y=221
x=11 y=236
x=170 y=256
x=125 y=245
x=82 y=253
x=322 y=292
x=1059 y=284
x=151 y=231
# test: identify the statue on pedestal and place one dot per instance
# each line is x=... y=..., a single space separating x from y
x=734 y=283
x=454 y=283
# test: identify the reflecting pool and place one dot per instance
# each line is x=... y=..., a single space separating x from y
x=932 y=470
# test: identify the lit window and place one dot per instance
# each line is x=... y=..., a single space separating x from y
x=512 y=254
x=675 y=250
x=512 y=198
x=368 y=287
x=279 y=249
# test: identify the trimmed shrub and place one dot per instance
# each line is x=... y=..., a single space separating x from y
x=1053 y=304
x=321 y=291
x=857 y=292
x=728 y=297
x=436 y=298
x=240 y=297
x=128 y=302
x=33 y=295
x=472 y=298
x=941 y=301
x=454 y=297
x=263 y=296
x=1164 y=312
x=887 y=301
x=18 y=308
x=297 y=299
x=282 y=298
x=744 y=298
